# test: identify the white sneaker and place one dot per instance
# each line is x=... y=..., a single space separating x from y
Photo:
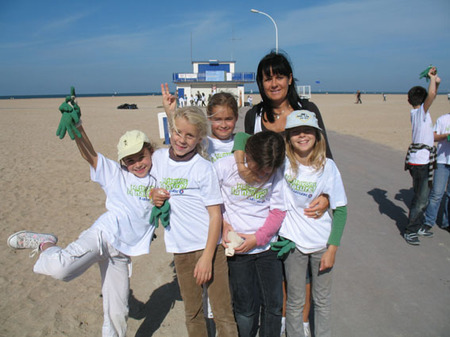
x=30 y=240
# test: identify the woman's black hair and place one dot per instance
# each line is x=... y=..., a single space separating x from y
x=276 y=64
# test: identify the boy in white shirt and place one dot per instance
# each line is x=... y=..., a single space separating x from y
x=420 y=157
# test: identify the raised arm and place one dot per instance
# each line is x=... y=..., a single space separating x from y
x=169 y=100
x=432 y=88
x=85 y=147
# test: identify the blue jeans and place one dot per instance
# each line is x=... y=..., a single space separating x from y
x=256 y=288
x=441 y=183
x=419 y=174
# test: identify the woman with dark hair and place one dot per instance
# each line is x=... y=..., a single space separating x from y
x=277 y=88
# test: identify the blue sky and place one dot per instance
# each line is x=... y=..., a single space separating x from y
x=132 y=46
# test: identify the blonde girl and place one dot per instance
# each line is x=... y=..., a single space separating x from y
x=308 y=173
x=189 y=183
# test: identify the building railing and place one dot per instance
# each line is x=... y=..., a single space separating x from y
x=304 y=91
x=214 y=77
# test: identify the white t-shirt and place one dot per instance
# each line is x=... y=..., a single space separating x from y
x=126 y=222
x=193 y=186
x=247 y=207
x=422 y=133
x=219 y=148
x=310 y=235
x=443 y=147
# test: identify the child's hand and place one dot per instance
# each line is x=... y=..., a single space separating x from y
x=225 y=229
x=248 y=244
x=159 y=195
x=203 y=270
x=327 y=260
x=432 y=74
x=169 y=100
x=317 y=207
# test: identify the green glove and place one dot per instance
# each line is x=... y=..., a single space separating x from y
x=282 y=246
x=425 y=73
x=161 y=214
x=71 y=114
x=66 y=124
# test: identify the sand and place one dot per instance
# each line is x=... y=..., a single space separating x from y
x=46 y=188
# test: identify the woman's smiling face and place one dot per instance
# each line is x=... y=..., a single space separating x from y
x=276 y=86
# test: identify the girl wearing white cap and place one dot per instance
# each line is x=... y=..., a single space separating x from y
x=121 y=232
x=309 y=173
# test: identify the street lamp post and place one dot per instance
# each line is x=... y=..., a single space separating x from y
x=274 y=23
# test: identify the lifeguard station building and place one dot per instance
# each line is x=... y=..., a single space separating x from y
x=210 y=77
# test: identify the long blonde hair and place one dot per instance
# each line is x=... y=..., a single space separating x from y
x=196 y=117
x=318 y=155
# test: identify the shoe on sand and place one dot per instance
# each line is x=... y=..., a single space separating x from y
x=30 y=240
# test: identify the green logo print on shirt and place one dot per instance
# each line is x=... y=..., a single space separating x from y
x=141 y=191
x=254 y=193
x=175 y=185
x=306 y=188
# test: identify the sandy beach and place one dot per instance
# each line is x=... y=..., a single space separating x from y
x=46 y=188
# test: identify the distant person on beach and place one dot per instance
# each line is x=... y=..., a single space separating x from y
x=384 y=97
x=420 y=157
x=441 y=180
x=358 y=97
x=196 y=102
x=203 y=99
x=181 y=101
x=123 y=231
x=188 y=182
x=250 y=101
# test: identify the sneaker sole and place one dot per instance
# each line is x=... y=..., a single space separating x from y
x=17 y=233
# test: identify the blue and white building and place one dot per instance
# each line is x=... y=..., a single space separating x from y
x=209 y=77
